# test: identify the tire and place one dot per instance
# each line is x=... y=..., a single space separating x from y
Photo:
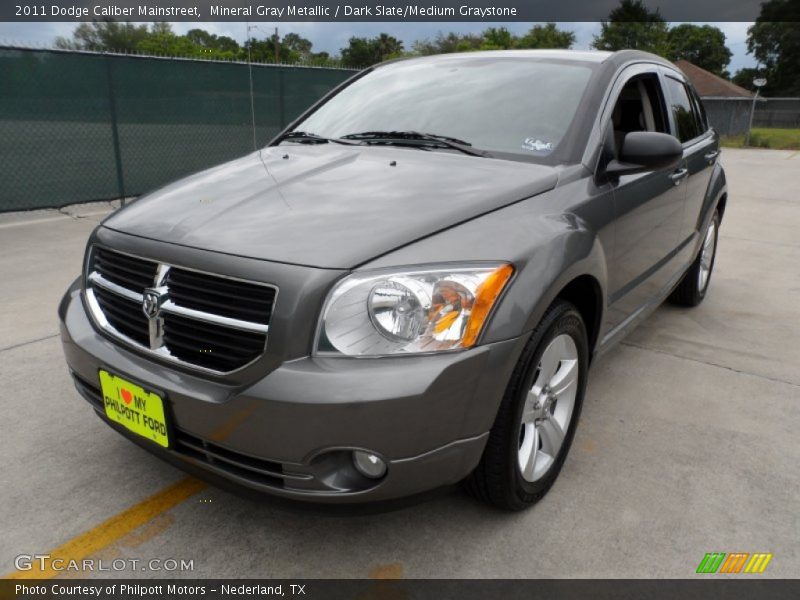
x=694 y=285
x=500 y=478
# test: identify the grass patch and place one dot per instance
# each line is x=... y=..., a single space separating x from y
x=761 y=137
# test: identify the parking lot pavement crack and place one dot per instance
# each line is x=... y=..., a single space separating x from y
x=711 y=364
x=21 y=344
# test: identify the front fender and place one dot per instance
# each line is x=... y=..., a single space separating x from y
x=577 y=253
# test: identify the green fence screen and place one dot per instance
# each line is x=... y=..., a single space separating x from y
x=76 y=126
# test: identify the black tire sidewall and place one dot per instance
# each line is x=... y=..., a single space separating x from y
x=561 y=319
x=701 y=293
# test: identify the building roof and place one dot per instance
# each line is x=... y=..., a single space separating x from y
x=709 y=85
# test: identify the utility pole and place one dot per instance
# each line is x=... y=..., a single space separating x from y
x=759 y=82
x=277 y=47
x=252 y=95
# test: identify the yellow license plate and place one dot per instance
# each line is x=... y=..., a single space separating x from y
x=134 y=408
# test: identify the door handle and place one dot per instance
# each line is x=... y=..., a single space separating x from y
x=712 y=156
x=679 y=176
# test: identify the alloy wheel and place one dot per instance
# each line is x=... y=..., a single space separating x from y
x=548 y=408
x=707 y=256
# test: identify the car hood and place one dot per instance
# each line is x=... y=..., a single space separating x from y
x=328 y=205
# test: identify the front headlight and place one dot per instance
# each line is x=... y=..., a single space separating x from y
x=414 y=311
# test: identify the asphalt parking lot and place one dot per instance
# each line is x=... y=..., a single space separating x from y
x=688 y=441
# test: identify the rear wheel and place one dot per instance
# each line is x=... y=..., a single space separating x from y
x=694 y=285
x=536 y=422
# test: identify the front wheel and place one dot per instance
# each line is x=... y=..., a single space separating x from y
x=694 y=285
x=536 y=421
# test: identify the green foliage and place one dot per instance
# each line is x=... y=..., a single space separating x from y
x=539 y=36
x=762 y=137
x=629 y=25
x=160 y=40
x=263 y=50
x=292 y=48
x=632 y=25
x=108 y=36
x=546 y=36
x=774 y=39
x=497 y=39
x=446 y=44
x=219 y=46
x=364 y=52
x=744 y=78
x=701 y=45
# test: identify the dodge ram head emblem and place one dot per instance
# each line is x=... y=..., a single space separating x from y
x=152 y=300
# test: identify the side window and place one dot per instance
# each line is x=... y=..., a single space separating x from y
x=682 y=110
x=702 y=119
x=640 y=107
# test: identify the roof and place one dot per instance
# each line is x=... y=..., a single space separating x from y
x=597 y=56
x=609 y=60
x=707 y=84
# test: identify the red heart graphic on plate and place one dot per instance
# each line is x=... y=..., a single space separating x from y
x=127 y=396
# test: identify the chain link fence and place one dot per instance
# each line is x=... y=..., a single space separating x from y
x=778 y=112
x=80 y=126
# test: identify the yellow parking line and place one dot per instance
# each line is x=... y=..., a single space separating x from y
x=111 y=530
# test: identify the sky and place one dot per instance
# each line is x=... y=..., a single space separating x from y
x=331 y=37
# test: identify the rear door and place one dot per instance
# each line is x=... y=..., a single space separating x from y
x=700 y=148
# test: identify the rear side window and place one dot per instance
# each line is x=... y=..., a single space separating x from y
x=702 y=119
x=682 y=109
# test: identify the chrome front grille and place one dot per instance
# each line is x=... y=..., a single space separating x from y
x=123 y=314
x=210 y=322
x=127 y=271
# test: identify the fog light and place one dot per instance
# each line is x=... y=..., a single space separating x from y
x=368 y=464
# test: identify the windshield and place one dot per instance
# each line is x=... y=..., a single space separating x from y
x=509 y=105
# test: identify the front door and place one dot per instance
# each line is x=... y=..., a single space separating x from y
x=649 y=208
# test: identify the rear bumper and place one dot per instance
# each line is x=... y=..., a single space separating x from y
x=290 y=433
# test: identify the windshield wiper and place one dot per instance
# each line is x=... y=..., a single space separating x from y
x=306 y=137
x=399 y=137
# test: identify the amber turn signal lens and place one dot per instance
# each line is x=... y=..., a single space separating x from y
x=485 y=298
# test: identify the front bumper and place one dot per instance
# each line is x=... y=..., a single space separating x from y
x=291 y=432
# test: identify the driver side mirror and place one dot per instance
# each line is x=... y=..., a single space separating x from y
x=645 y=151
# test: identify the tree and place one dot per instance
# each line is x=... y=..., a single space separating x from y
x=360 y=52
x=744 y=78
x=703 y=46
x=297 y=44
x=159 y=39
x=363 y=52
x=265 y=50
x=546 y=36
x=220 y=46
x=388 y=47
x=292 y=48
x=632 y=25
x=497 y=39
x=162 y=41
x=259 y=50
x=105 y=36
x=539 y=36
x=445 y=44
x=774 y=39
